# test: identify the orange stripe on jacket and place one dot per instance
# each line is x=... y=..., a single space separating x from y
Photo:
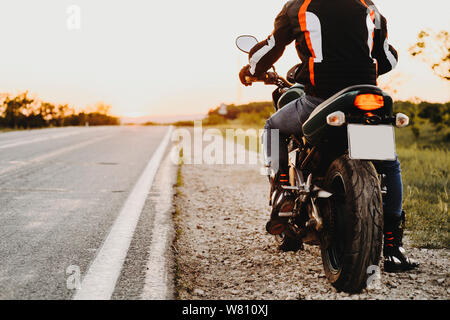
x=303 y=27
x=372 y=13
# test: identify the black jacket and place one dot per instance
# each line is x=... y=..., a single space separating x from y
x=340 y=43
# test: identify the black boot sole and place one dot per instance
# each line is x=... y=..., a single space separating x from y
x=398 y=268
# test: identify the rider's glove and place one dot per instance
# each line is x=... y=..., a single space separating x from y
x=245 y=72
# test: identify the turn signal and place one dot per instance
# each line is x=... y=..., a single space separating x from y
x=336 y=119
x=401 y=120
x=368 y=102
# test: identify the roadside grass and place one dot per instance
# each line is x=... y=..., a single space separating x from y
x=176 y=216
x=425 y=163
x=426 y=186
x=179 y=176
x=428 y=138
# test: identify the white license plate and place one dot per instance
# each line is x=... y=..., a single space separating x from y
x=371 y=142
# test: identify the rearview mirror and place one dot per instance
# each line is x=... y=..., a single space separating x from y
x=246 y=43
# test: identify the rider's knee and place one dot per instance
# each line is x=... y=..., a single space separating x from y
x=268 y=124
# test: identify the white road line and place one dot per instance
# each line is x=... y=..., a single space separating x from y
x=100 y=280
x=45 y=138
x=156 y=286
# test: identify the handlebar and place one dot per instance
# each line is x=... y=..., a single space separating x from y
x=269 y=78
x=251 y=79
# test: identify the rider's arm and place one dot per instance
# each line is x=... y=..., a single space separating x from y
x=383 y=52
x=267 y=52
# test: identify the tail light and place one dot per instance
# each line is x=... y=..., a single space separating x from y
x=369 y=102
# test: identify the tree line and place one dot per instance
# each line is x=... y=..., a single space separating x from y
x=436 y=114
x=24 y=112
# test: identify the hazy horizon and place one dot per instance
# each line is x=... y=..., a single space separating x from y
x=173 y=59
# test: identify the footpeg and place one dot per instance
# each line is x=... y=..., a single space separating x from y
x=286 y=214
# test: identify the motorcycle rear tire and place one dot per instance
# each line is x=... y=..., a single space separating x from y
x=354 y=223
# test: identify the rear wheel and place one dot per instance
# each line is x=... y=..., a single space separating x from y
x=353 y=223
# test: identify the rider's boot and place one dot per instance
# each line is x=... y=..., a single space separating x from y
x=282 y=201
x=395 y=259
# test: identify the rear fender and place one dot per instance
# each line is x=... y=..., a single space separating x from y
x=316 y=130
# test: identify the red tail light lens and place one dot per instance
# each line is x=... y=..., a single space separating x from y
x=368 y=102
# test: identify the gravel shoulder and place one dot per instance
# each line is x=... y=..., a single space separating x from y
x=222 y=250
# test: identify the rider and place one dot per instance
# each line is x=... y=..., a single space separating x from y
x=341 y=43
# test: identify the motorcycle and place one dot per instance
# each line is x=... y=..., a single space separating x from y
x=338 y=193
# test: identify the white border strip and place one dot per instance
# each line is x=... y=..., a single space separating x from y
x=156 y=286
x=258 y=55
x=101 y=278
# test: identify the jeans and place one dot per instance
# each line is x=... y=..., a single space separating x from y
x=286 y=121
x=289 y=120
x=392 y=201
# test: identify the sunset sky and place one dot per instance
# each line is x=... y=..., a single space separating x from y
x=172 y=57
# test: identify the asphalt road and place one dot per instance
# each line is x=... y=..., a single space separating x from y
x=61 y=192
